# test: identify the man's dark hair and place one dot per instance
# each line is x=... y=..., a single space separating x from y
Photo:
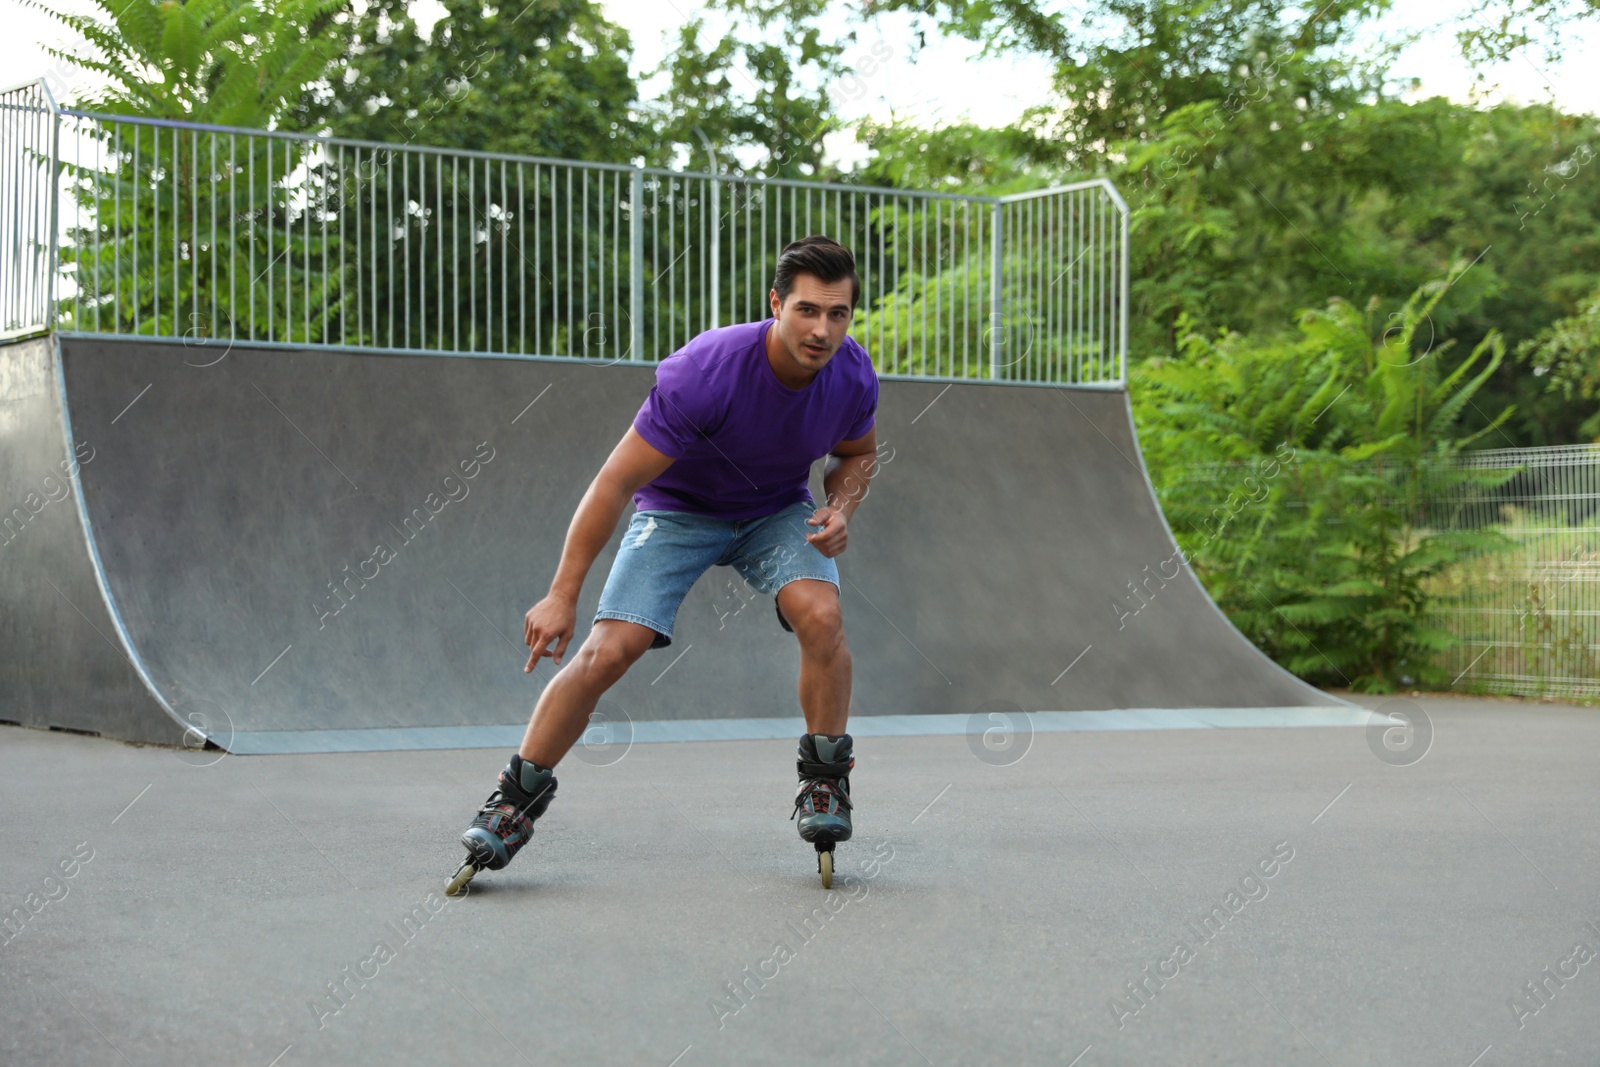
x=821 y=256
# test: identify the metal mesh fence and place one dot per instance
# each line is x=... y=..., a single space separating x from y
x=1528 y=619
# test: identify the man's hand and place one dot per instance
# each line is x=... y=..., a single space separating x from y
x=830 y=539
x=552 y=619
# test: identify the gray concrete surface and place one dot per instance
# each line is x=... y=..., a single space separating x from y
x=1010 y=905
x=1010 y=551
x=63 y=661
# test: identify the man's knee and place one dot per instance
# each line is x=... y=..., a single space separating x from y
x=606 y=657
x=816 y=616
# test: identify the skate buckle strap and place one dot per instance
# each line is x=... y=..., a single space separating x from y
x=825 y=770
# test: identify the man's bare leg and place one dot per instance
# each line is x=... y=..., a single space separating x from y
x=811 y=607
x=564 y=707
x=822 y=805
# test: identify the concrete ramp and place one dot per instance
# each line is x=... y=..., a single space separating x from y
x=276 y=547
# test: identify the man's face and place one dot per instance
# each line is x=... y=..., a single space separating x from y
x=813 y=320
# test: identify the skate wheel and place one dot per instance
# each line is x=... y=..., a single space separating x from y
x=825 y=868
x=459 y=882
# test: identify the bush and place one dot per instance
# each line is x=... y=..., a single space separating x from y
x=1293 y=471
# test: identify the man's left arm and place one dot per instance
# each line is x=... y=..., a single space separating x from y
x=845 y=480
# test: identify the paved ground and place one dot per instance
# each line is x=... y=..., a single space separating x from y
x=995 y=914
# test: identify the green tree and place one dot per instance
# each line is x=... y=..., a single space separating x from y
x=1568 y=351
x=548 y=78
x=760 y=96
x=1494 y=29
x=1123 y=66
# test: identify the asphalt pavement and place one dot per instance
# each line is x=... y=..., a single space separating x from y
x=1398 y=895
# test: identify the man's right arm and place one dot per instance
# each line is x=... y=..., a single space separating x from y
x=632 y=464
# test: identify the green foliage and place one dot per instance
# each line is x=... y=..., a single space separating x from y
x=1122 y=67
x=227 y=248
x=548 y=79
x=1292 y=473
x=1568 y=350
x=1495 y=29
x=760 y=95
x=963 y=158
x=222 y=62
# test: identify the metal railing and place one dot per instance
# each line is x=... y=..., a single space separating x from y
x=28 y=204
x=172 y=230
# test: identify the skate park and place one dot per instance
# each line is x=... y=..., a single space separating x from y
x=265 y=574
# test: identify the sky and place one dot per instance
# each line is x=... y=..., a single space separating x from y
x=949 y=81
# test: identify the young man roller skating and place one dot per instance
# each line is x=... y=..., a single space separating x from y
x=717 y=463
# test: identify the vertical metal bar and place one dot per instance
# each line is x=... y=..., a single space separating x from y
x=1122 y=298
x=766 y=268
x=583 y=329
x=76 y=184
x=922 y=270
x=601 y=305
x=174 y=175
x=883 y=288
x=438 y=241
x=388 y=248
x=708 y=256
x=288 y=246
x=12 y=309
x=116 y=228
x=271 y=295
x=1074 y=295
x=536 y=208
x=155 y=231
x=672 y=268
x=213 y=180
x=751 y=288
x=344 y=209
x=250 y=164
x=522 y=263
x=996 y=289
x=405 y=247
x=100 y=208
x=556 y=272
x=1057 y=302
x=455 y=252
x=481 y=329
x=19 y=293
x=614 y=333
x=1098 y=281
x=636 y=264
x=938 y=283
x=655 y=254
x=322 y=211
x=305 y=246
x=356 y=260
x=505 y=240
x=194 y=229
x=716 y=253
x=422 y=253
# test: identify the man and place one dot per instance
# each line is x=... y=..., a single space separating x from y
x=717 y=463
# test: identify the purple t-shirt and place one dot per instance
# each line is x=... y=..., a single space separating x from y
x=743 y=443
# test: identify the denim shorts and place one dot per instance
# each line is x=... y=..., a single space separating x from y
x=664 y=553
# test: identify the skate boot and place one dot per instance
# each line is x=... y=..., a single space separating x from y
x=822 y=804
x=505 y=822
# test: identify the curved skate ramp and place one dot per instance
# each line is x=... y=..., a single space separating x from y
x=296 y=546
